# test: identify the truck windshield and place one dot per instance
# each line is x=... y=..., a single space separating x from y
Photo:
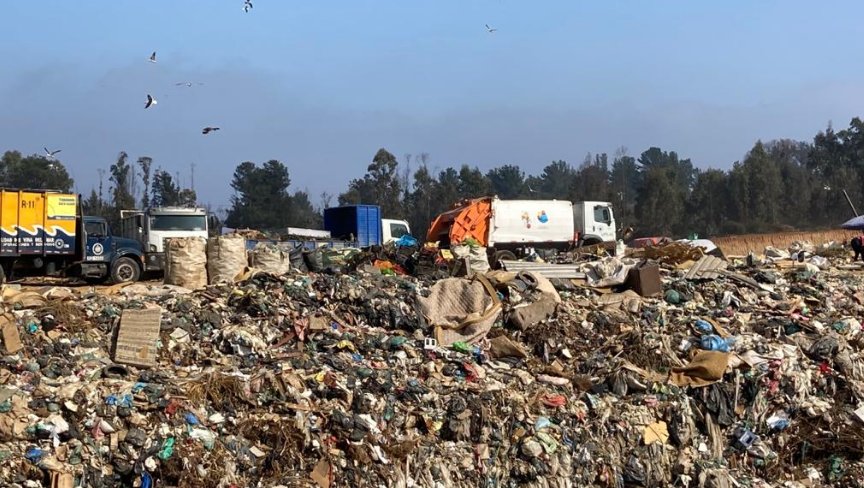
x=95 y=229
x=398 y=230
x=178 y=222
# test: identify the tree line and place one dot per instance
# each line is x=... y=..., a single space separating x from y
x=129 y=186
x=778 y=185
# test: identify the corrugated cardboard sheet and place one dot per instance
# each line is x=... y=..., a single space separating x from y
x=138 y=336
x=707 y=268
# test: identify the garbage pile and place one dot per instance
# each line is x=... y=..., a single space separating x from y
x=721 y=375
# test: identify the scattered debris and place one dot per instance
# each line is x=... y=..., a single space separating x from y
x=356 y=377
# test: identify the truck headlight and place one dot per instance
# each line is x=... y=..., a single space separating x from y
x=152 y=247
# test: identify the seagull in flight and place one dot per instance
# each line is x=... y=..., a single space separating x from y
x=247 y=6
x=187 y=84
x=489 y=29
x=150 y=102
x=208 y=130
x=50 y=154
x=153 y=57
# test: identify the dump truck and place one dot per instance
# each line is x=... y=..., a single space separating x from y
x=44 y=233
x=510 y=228
x=153 y=226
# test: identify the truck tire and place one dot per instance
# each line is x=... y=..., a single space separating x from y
x=502 y=256
x=124 y=270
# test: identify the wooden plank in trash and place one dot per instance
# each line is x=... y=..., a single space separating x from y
x=138 y=337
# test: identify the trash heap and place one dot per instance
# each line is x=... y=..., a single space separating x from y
x=720 y=374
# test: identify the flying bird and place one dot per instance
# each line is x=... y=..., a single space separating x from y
x=153 y=57
x=208 y=130
x=489 y=29
x=150 y=102
x=187 y=84
x=50 y=154
x=247 y=6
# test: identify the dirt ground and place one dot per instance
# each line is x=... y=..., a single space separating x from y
x=740 y=245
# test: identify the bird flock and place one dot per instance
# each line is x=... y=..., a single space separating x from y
x=151 y=100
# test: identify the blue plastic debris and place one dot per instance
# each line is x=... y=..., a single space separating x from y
x=124 y=401
x=407 y=241
x=716 y=343
x=34 y=454
x=704 y=326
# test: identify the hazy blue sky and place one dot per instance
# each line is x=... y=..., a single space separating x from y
x=322 y=85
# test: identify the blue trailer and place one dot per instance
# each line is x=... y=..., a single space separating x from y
x=361 y=223
x=354 y=226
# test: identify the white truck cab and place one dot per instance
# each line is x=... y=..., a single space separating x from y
x=594 y=222
x=392 y=230
x=153 y=226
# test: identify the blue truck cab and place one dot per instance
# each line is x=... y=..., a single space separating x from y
x=107 y=256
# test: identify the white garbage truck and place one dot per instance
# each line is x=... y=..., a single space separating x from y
x=511 y=228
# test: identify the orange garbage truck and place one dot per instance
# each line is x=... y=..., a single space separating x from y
x=507 y=228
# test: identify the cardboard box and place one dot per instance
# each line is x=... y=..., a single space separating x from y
x=644 y=279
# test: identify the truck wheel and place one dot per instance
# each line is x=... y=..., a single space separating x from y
x=502 y=256
x=125 y=269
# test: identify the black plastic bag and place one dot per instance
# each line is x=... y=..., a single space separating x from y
x=314 y=260
x=295 y=256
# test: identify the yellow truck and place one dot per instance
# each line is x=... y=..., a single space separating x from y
x=44 y=233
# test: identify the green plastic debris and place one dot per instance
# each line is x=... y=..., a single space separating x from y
x=550 y=445
x=835 y=468
x=461 y=347
x=673 y=297
x=167 y=449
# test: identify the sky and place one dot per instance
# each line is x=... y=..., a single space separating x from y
x=321 y=86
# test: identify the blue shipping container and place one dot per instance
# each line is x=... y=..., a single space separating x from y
x=361 y=221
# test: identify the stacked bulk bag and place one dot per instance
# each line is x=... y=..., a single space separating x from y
x=271 y=258
x=226 y=258
x=186 y=262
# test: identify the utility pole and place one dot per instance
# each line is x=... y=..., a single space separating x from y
x=850 y=203
x=192 y=176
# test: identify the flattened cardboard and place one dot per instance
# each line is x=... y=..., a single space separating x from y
x=137 y=337
x=9 y=330
x=321 y=474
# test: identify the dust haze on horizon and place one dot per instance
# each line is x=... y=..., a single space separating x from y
x=322 y=87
